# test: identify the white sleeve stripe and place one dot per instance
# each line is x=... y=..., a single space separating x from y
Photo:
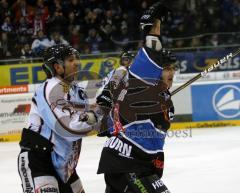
x=151 y=59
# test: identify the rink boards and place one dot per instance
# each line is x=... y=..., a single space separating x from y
x=202 y=105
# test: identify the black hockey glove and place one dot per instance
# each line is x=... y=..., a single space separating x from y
x=165 y=95
x=156 y=11
x=105 y=99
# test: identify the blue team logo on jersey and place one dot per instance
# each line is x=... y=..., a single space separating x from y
x=226 y=101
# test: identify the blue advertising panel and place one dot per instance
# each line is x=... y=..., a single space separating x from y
x=216 y=102
x=193 y=62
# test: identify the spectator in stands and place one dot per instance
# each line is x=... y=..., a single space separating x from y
x=38 y=23
x=42 y=9
x=195 y=42
x=91 y=19
x=179 y=44
x=57 y=22
x=109 y=17
x=107 y=32
x=123 y=38
x=94 y=40
x=7 y=25
x=26 y=52
x=40 y=43
x=54 y=5
x=57 y=38
x=231 y=14
x=4 y=10
x=40 y=18
x=72 y=19
x=180 y=30
x=21 y=8
x=114 y=20
x=75 y=6
x=214 y=41
x=76 y=38
x=5 y=49
x=86 y=49
x=23 y=27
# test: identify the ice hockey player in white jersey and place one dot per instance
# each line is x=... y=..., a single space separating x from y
x=114 y=78
x=59 y=118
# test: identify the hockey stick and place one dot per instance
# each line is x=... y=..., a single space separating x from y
x=206 y=71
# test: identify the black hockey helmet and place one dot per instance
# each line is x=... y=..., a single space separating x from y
x=168 y=58
x=56 y=55
x=126 y=55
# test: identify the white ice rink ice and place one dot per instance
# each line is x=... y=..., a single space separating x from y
x=207 y=162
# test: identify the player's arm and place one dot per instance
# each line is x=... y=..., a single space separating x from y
x=113 y=87
x=66 y=120
x=152 y=39
x=151 y=56
x=150 y=23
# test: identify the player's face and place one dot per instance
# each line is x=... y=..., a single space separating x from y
x=168 y=74
x=126 y=62
x=71 y=67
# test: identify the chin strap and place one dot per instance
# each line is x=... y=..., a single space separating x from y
x=63 y=74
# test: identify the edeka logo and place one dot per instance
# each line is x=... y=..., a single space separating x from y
x=226 y=101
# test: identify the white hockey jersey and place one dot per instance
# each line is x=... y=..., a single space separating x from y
x=56 y=119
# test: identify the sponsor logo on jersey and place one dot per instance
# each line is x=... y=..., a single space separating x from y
x=140 y=185
x=157 y=184
x=226 y=101
x=29 y=188
x=124 y=149
x=48 y=189
x=158 y=163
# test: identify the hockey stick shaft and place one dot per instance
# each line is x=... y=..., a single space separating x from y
x=206 y=71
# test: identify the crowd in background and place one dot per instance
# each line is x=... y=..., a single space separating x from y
x=93 y=26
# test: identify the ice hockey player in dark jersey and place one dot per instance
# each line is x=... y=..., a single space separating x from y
x=141 y=108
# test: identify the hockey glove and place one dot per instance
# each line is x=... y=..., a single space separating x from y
x=156 y=11
x=89 y=117
x=105 y=99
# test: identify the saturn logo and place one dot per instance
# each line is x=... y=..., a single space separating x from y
x=226 y=101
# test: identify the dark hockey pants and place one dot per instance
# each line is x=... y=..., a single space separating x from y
x=134 y=183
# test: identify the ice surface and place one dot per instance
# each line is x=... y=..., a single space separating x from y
x=207 y=162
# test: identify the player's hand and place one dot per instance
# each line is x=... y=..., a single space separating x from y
x=105 y=99
x=89 y=117
x=156 y=11
x=165 y=95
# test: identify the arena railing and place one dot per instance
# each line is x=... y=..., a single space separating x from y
x=116 y=54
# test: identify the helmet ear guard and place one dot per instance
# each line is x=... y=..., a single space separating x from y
x=168 y=58
x=50 y=72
